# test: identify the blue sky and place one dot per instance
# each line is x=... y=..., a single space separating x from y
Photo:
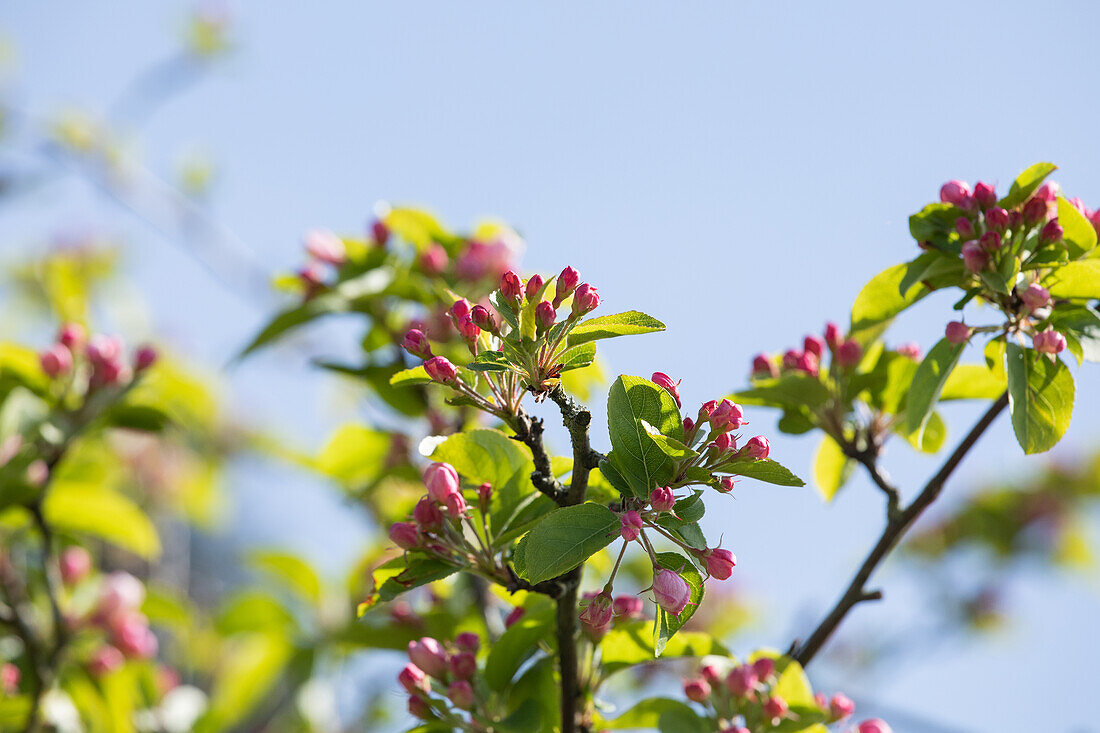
x=737 y=169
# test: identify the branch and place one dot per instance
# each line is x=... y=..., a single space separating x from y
x=529 y=431
x=577 y=419
x=896 y=527
x=869 y=460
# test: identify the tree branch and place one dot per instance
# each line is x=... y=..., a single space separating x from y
x=896 y=527
x=529 y=432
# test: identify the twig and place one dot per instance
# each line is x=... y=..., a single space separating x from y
x=529 y=431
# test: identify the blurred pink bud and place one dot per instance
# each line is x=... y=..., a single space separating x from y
x=990 y=241
x=671 y=592
x=996 y=218
x=1052 y=232
x=133 y=637
x=741 y=680
x=791 y=359
x=417 y=344
x=764 y=668
x=38 y=473
x=441 y=370
x=1094 y=217
x=984 y=194
x=957 y=193
x=483 y=318
x=428 y=654
x=664 y=381
x=1048 y=342
x=662 y=499
x=585 y=300
x=849 y=353
x=434 y=260
x=413 y=679
x=697 y=690
x=379 y=232
x=103 y=349
x=75 y=563
x=841 y=707
x=724 y=443
x=419 y=708
x=311 y=277
x=534 y=285
x=461 y=694
x=689 y=425
x=1035 y=210
x=808 y=363
x=9 y=678
x=56 y=360
x=630 y=525
x=455 y=504
x=814 y=345
x=323 y=245
x=485 y=493
x=511 y=288
x=736 y=729
x=405 y=535
x=468 y=641
x=627 y=607
x=725 y=484
x=597 y=615
x=144 y=357
x=468 y=330
x=720 y=563
x=442 y=481
x=1035 y=296
x=427 y=514
x=463 y=665
x=72 y=337
x=874 y=725
x=957 y=332
x=726 y=416
x=545 y=315
x=833 y=336
x=757 y=448
x=821 y=701
x=120 y=592
x=460 y=309
x=1047 y=193
x=911 y=349
x=775 y=707
x=515 y=615
x=567 y=282
x=711 y=674
x=974 y=257
x=762 y=366
x=105 y=660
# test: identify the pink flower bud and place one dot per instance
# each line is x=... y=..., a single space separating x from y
x=911 y=349
x=468 y=641
x=1035 y=210
x=957 y=332
x=671 y=592
x=485 y=493
x=720 y=563
x=627 y=607
x=1035 y=296
x=323 y=245
x=463 y=665
x=762 y=366
x=996 y=218
x=1047 y=193
x=515 y=615
x=567 y=282
x=957 y=193
x=706 y=409
x=775 y=707
x=455 y=504
x=664 y=381
x=545 y=315
x=460 y=309
x=413 y=679
x=441 y=370
x=428 y=654
x=379 y=232
x=791 y=359
x=312 y=279
x=483 y=318
x=534 y=285
x=72 y=336
x=120 y=592
x=726 y=483
x=820 y=701
x=808 y=363
x=964 y=227
x=735 y=729
x=711 y=674
x=984 y=194
x=405 y=535
x=697 y=690
x=1048 y=342
x=990 y=241
x=849 y=353
x=814 y=345
x=75 y=563
x=468 y=330
x=840 y=707
x=511 y=289
x=661 y=499
x=723 y=444
x=442 y=481
x=434 y=260
x=689 y=425
x=764 y=668
x=757 y=448
x=597 y=615
x=133 y=637
x=9 y=678
x=1052 y=232
x=585 y=300
x=105 y=660
x=726 y=416
x=974 y=257
x=427 y=514
x=1094 y=217
x=833 y=336
x=144 y=357
x=419 y=708
x=56 y=360
x=417 y=344
x=742 y=681
x=874 y=725
x=461 y=694
x=38 y=473
x=630 y=525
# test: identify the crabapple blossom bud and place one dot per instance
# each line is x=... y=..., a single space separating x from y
x=460 y=309
x=105 y=660
x=597 y=615
x=511 y=288
x=534 y=285
x=1048 y=342
x=808 y=363
x=1052 y=232
x=736 y=729
x=567 y=282
x=133 y=637
x=416 y=343
x=726 y=416
x=720 y=563
x=461 y=694
x=120 y=592
x=957 y=332
x=56 y=360
x=911 y=349
x=814 y=345
x=468 y=641
x=102 y=349
x=442 y=481
x=757 y=448
x=689 y=425
x=75 y=563
x=1035 y=210
x=585 y=300
x=1079 y=204
x=833 y=336
x=455 y=504
x=405 y=535
x=433 y=260
x=711 y=674
x=9 y=678
x=468 y=330
x=762 y=366
x=413 y=679
x=427 y=514
x=483 y=318
x=791 y=359
x=630 y=525
x=775 y=707
x=515 y=615
x=1047 y=193
x=741 y=680
x=664 y=381
x=38 y=472
x=990 y=241
x=671 y=592
x=984 y=194
x=996 y=218
x=545 y=315
x=485 y=493
x=419 y=708
x=627 y=606
x=957 y=193
x=463 y=665
x=441 y=370
x=72 y=336
x=428 y=654
x=697 y=690
x=723 y=444
x=311 y=278
x=964 y=227
x=323 y=245
x=841 y=707
x=974 y=257
x=379 y=232
x=1035 y=296
x=820 y=700
x=764 y=668
x=144 y=357
x=874 y=725
x=725 y=484
x=661 y=499
x=706 y=409
x=849 y=353
x=1094 y=217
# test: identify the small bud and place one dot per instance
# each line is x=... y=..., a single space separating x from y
x=833 y=336
x=75 y=563
x=671 y=592
x=664 y=381
x=1048 y=342
x=105 y=660
x=515 y=615
x=9 y=678
x=957 y=193
x=984 y=194
x=990 y=241
x=791 y=359
x=706 y=409
x=1047 y=193
x=874 y=725
x=762 y=366
x=72 y=336
x=468 y=641
x=416 y=343
x=775 y=707
x=1035 y=296
x=460 y=309
x=849 y=353
x=726 y=416
x=461 y=694
x=131 y=635
x=689 y=425
x=757 y=448
x=566 y=283
x=419 y=708
x=312 y=279
x=964 y=227
x=726 y=483
x=662 y=499
x=428 y=654
x=469 y=331
x=483 y=318
x=597 y=615
x=120 y=592
x=324 y=246
x=808 y=363
x=996 y=218
x=764 y=668
x=405 y=535
x=1052 y=232
x=585 y=300
x=442 y=480
x=627 y=607
x=463 y=665
x=974 y=257
x=144 y=357
x=911 y=349
x=427 y=514
x=545 y=315
x=56 y=361
x=723 y=444
x=711 y=674
x=630 y=525
x=697 y=690
x=1035 y=210
x=434 y=260
x=534 y=285
x=511 y=289
x=38 y=473
x=720 y=563
x=814 y=345
x=840 y=707
x=455 y=504
x=741 y=681
x=413 y=679
x=379 y=232
x=485 y=494
x=957 y=332
x=441 y=370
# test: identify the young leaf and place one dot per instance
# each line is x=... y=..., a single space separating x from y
x=648 y=713
x=1079 y=280
x=640 y=460
x=928 y=383
x=932 y=437
x=409 y=377
x=765 y=470
x=419 y=571
x=1078 y=233
x=505 y=310
x=666 y=625
x=628 y=645
x=618 y=324
x=831 y=468
x=1025 y=184
x=578 y=357
x=881 y=300
x=793 y=389
x=565 y=538
x=88 y=508
x=1040 y=398
x=973 y=382
x=671 y=447
x=490 y=361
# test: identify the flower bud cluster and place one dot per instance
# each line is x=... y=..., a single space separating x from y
x=844 y=353
x=86 y=364
x=600 y=611
x=442 y=680
x=437 y=518
x=117 y=614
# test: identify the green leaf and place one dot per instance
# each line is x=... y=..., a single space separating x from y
x=519 y=642
x=765 y=470
x=1081 y=323
x=648 y=713
x=253 y=610
x=793 y=390
x=252 y=664
x=932 y=437
x=294 y=572
x=355 y=455
x=831 y=468
x=565 y=538
x=92 y=509
x=972 y=382
x=928 y=383
x=417 y=226
x=619 y=324
x=419 y=571
x=1026 y=183
x=1078 y=233
x=671 y=447
x=631 y=644
x=504 y=308
x=490 y=361
x=881 y=300
x=935 y=224
x=578 y=357
x=146 y=418
x=1040 y=398
x=409 y=377
x=666 y=625
x=630 y=401
x=1080 y=280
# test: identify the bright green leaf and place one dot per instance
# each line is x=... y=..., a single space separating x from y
x=565 y=538
x=765 y=470
x=1026 y=183
x=1078 y=232
x=880 y=300
x=1080 y=280
x=630 y=401
x=610 y=326
x=518 y=643
x=928 y=383
x=92 y=509
x=295 y=573
x=831 y=468
x=1040 y=398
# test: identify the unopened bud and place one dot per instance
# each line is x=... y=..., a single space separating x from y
x=597 y=615
x=1035 y=210
x=874 y=725
x=720 y=562
x=664 y=381
x=849 y=353
x=630 y=525
x=413 y=679
x=427 y=514
x=984 y=194
x=434 y=260
x=833 y=336
x=461 y=694
x=662 y=499
x=1048 y=342
x=566 y=283
x=671 y=592
x=764 y=668
x=463 y=665
x=585 y=300
x=757 y=448
x=957 y=332
x=996 y=218
x=483 y=318
x=75 y=563
x=144 y=357
x=417 y=344
x=627 y=607
x=72 y=336
x=405 y=535
x=957 y=193
x=379 y=232
x=441 y=370
x=741 y=681
x=1035 y=296
x=775 y=707
x=726 y=484
x=323 y=245
x=762 y=366
x=840 y=707
x=511 y=289
x=468 y=641
x=697 y=690
x=1052 y=232
x=814 y=345
x=56 y=361
x=974 y=257
x=545 y=315
x=428 y=654
x=726 y=416
x=964 y=227
x=990 y=241
x=534 y=286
